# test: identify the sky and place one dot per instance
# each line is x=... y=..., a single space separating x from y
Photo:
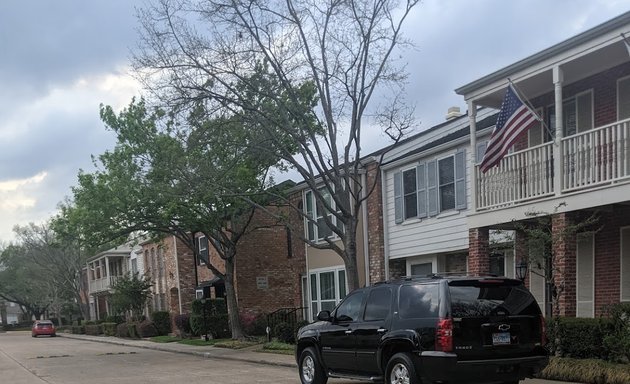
x=59 y=60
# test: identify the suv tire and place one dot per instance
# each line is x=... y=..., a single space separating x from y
x=400 y=369
x=311 y=370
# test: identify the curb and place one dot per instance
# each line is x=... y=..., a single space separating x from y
x=206 y=355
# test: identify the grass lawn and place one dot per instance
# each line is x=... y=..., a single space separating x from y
x=278 y=347
x=165 y=339
x=590 y=371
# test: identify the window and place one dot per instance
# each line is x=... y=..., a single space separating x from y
x=430 y=188
x=538 y=133
x=446 y=169
x=315 y=211
x=577 y=114
x=480 y=299
x=424 y=269
x=350 y=308
x=585 y=282
x=134 y=266
x=418 y=301
x=623 y=98
x=378 y=304
x=328 y=288
x=410 y=193
x=202 y=248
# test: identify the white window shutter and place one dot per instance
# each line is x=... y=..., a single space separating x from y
x=398 y=198
x=432 y=187
x=460 y=180
x=421 y=189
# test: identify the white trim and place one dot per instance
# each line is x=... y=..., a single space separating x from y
x=317 y=271
x=621 y=265
x=384 y=209
x=366 y=245
x=409 y=261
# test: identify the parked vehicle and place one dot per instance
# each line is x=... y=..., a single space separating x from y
x=43 y=327
x=432 y=330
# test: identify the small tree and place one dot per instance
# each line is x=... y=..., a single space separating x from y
x=130 y=295
x=544 y=243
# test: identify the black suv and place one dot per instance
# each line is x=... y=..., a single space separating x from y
x=431 y=330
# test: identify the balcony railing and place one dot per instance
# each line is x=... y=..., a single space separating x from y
x=590 y=159
x=103 y=284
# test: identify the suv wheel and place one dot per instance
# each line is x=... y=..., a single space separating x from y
x=400 y=370
x=311 y=370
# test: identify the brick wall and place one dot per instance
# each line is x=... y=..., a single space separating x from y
x=266 y=257
x=564 y=265
x=478 y=251
x=397 y=268
x=376 y=244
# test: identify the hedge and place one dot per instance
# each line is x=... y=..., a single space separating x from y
x=162 y=321
x=93 y=329
x=580 y=338
x=109 y=329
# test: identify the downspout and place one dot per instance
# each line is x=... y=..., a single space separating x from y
x=385 y=222
x=179 y=290
x=472 y=116
x=366 y=249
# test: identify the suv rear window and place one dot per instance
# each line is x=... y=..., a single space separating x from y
x=492 y=298
x=418 y=301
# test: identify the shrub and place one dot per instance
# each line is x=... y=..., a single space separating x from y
x=89 y=322
x=617 y=342
x=122 y=330
x=114 y=319
x=209 y=317
x=580 y=338
x=254 y=324
x=78 y=329
x=162 y=321
x=93 y=329
x=284 y=332
x=109 y=329
x=146 y=329
x=182 y=322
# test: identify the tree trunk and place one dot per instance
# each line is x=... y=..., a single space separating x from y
x=3 y=312
x=232 y=303
x=350 y=250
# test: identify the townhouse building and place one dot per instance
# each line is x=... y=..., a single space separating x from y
x=103 y=271
x=573 y=163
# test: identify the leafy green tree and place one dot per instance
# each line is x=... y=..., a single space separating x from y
x=257 y=60
x=130 y=295
x=24 y=282
x=176 y=177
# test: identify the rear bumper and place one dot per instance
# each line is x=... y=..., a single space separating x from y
x=445 y=367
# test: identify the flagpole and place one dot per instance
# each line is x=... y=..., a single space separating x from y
x=531 y=107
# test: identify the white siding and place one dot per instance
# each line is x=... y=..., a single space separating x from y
x=446 y=232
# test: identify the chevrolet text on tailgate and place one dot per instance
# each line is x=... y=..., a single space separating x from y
x=427 y=330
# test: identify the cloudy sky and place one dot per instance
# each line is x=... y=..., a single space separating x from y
x=60 y=59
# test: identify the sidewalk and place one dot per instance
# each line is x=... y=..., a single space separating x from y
x=246 y=354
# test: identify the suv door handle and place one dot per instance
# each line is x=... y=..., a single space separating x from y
x=381 y=330
x=348 y=331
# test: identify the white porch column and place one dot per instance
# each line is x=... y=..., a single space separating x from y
x=472 y=117
x=558 y=78
x=107 y=275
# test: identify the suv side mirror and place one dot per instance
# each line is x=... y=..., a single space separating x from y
x=324 y=316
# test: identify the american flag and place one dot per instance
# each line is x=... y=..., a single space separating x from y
x=514 y=118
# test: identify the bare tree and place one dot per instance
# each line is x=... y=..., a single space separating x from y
x=342 y=51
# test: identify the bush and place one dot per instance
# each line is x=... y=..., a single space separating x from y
x=122 y=330
x=78 y=329
x=590 y=371
x=284 y=332
x=215 y=321
x=254 y=324
x=89 y=322
x=132 y=328
x=617 y=342
x=146 y=329
x=579 y=338
x=182 y=322
x=109 y=329
x=117 y=319
x=162 y=321
x=93 y=329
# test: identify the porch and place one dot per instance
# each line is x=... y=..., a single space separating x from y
x=591 y=160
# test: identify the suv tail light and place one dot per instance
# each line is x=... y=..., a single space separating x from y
x=543 y=331
x=444 y=335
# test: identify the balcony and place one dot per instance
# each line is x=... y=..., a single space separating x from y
x=589 y=160
x=102 y=284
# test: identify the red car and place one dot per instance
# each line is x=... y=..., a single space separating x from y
x=43 y=327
